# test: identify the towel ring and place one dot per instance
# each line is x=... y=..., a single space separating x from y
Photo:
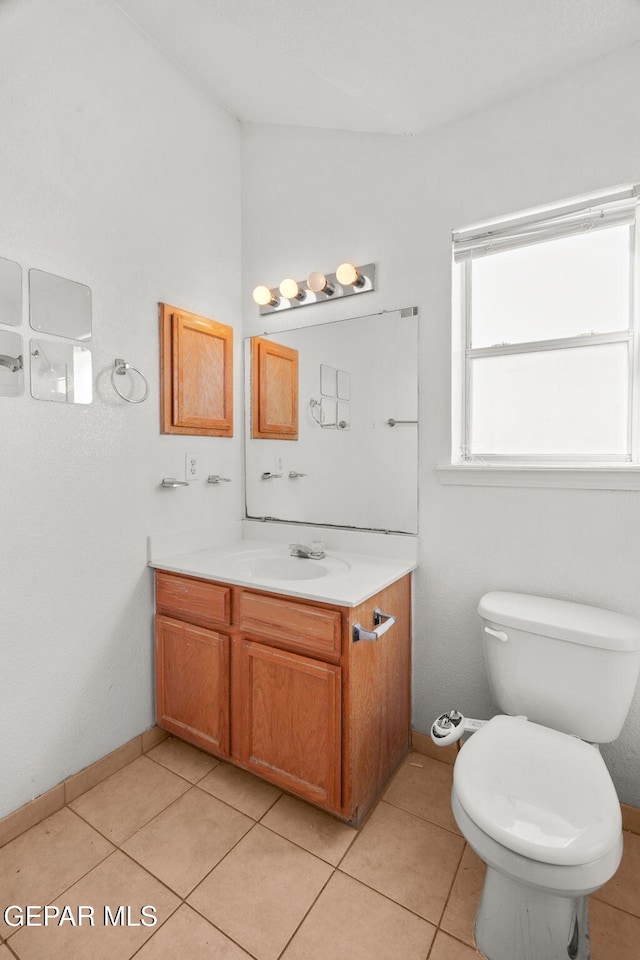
x=120 y=368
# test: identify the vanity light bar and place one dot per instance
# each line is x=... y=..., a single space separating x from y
x=317 y=288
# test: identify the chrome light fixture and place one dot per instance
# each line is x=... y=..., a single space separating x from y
x=265 y=297
x=318 y=283
x=291 y=290
x=345 y=282
x=349 y=275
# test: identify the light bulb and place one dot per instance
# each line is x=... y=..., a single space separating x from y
x=290 y=290
x=318 y=283
x=264 y=297
x=349 y=275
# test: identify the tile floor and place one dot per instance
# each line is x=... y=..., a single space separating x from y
x=237 y=870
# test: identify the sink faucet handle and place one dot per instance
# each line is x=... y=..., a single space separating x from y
x=317 y=549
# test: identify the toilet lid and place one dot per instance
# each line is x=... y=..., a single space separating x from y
x=538 y=792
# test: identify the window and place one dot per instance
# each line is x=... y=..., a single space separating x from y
x=549 y=361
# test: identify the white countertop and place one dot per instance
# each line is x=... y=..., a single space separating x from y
x=351 y=578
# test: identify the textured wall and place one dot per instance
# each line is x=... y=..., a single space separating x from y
x=395 y=201
x=119 y=173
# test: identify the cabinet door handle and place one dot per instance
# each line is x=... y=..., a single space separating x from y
x=382 y=621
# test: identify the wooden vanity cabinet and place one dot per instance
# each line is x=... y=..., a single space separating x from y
x=192 y=684
x=277 y=686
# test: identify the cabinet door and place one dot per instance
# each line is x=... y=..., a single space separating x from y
x=197 y=374
x=192 y=684
x=286 y=720
x=274 y=390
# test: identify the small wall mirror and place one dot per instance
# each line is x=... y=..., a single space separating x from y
x=58 y=306
x=10 y=292
x=11 y=364
x=61 y=372
x=328 y=381
x=351 y=467
x=344 y=385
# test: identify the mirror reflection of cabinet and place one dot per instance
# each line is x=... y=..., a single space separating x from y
x=196 y=360
x=274 y=390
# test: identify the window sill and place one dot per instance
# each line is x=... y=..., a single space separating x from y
x=619 y=477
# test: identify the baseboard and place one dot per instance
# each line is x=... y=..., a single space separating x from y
x=67 y=790
x=630 y=818
x=423 y=744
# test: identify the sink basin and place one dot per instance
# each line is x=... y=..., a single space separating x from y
x=279 y=567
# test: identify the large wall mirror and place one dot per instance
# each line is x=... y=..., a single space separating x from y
x=352 y=460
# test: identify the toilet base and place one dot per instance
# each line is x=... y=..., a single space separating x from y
x=519 y=922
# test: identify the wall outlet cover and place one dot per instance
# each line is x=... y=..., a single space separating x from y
x=192 y=466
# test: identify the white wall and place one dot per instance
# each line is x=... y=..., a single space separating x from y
x=119 y=173
x=314 y=198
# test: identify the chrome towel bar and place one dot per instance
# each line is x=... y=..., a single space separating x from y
x=382 y=622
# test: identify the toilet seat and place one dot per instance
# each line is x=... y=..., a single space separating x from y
x=540 y=793
x=562 y=880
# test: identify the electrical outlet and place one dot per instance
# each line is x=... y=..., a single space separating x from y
x=279 y=463
x=192 y=466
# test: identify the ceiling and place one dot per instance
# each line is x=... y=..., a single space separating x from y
x=381 y=66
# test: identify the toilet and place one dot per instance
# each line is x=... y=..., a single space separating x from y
x=531 y=793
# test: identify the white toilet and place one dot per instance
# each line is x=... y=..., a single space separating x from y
x=531 y=793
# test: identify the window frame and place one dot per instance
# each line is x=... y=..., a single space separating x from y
x=631 y=458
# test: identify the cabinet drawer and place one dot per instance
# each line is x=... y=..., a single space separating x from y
x=196 y=601
x=292 y=625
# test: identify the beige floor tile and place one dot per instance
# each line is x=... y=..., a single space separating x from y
x=4 y=953
x=310 y=828
x=623 y=890
x=31 y=814
x=187 y=935
x=351 y=922
x=423 y=786
x=183 y=759
x=241 y=790
x=36 y=867
x=261 y=891
x=126 y=801
x=185 y=842
x=115 y=881
x=460 y=912
x=446 y=948
x=614 y=935
x=407 y=859
x=80 y=782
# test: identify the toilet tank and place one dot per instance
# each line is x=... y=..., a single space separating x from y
x=564 y=665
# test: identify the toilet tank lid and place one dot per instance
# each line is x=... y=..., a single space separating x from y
x=562 y=620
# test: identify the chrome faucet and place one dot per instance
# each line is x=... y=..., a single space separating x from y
x=306 y=553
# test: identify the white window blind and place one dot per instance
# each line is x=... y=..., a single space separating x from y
x=617 y=209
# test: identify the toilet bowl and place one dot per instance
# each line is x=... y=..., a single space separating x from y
x=539 y=807
x=531 y=794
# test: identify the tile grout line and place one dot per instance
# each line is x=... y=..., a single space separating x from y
x=307 y=912
x=397 y=806
x=387 y=897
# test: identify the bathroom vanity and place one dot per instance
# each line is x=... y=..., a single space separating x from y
x=278 y=677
